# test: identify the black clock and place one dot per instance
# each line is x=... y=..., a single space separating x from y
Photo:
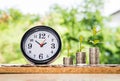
x=41 y=44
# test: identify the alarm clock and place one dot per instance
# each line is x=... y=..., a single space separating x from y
x=41 y=45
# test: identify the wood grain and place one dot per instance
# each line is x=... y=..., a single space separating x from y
x=59 y=69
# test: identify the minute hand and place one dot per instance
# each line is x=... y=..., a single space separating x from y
x=37 y=42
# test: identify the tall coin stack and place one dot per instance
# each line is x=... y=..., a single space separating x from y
x=94 y=55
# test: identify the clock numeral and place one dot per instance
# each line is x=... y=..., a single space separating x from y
x=41 y=56
x=35 y=36
x=31 y=40
x=52 y=40
x=52 y=51
x=29 y=51
x=29 y=46
x=42 y=35
x=34 y=56
x=47 y=56
x=48 y=36
x=53 y=46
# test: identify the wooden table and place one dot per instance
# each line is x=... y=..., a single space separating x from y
x=59 y=77
x=60 y=69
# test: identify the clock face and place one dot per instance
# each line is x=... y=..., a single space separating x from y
x=41 y=44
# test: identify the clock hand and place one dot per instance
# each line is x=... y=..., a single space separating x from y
x=45 y=43
x=37 y=42
x=41 y=44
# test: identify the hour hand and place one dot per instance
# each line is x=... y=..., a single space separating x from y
x=45 y=43
x=37 y=42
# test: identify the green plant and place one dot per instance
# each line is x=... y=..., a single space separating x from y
x=80 y=43
x=95 y=41
x=68 y=50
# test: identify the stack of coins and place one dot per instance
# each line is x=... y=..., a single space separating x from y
x=94 y=55
x=80 y=58
x=67 y=61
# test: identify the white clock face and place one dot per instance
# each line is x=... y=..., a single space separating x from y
x=41 y=45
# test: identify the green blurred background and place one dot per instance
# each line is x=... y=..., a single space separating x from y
x=70 y=23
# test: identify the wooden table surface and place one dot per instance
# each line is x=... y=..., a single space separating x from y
x=59 y=77
x=60 y=69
